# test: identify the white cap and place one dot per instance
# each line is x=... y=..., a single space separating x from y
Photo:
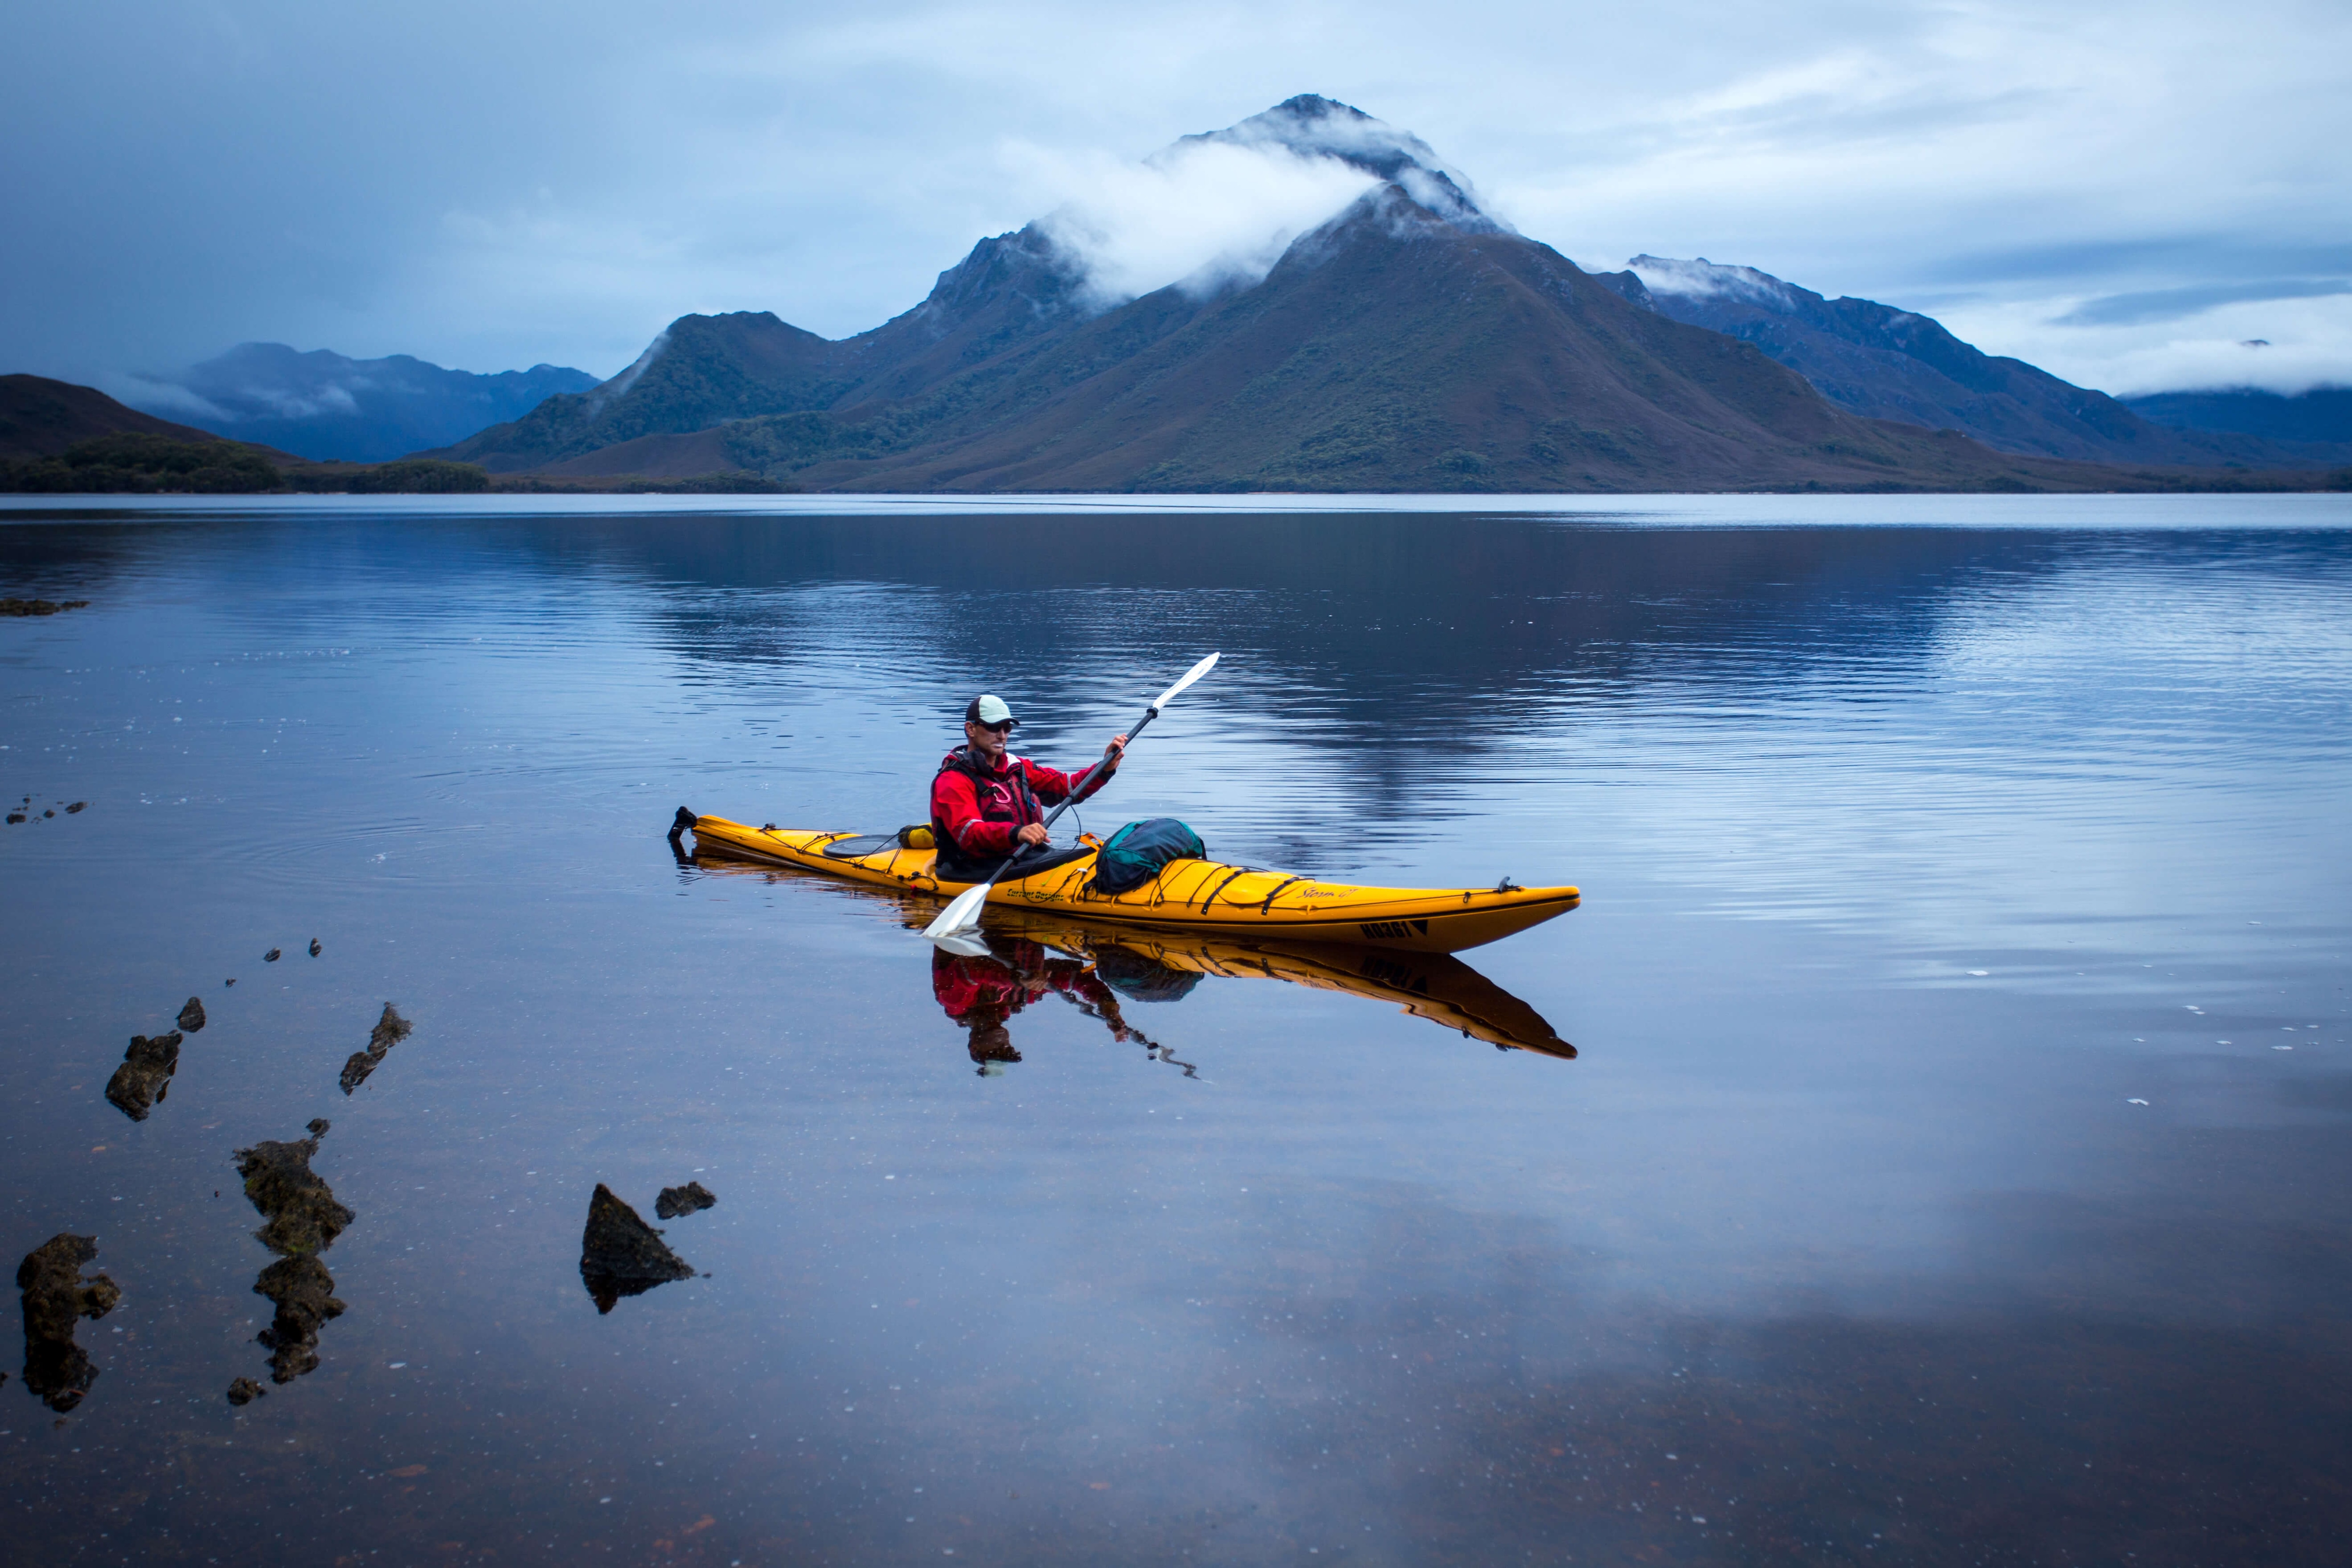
x=989 y=708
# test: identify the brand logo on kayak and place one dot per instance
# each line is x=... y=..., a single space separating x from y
x=1393 y=928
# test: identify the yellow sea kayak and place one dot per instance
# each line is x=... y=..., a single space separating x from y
x=1204 y=896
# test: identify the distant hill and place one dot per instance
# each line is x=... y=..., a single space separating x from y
x=2322 y=415
x=1412 y=342
x=324 y=406
x=42 y=418
x=57 y=438
x=1885 y=363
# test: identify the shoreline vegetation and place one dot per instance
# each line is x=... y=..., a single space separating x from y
x=141 y=463
x=132 y=463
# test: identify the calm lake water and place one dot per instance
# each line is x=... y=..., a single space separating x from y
x=1954 y=1165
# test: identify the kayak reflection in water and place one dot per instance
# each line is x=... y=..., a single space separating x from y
x=1096 y=967
x=982 y=993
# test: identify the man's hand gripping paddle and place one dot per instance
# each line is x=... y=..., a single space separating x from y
x=954 y=927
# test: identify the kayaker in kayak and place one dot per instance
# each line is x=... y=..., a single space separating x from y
x=987 y=802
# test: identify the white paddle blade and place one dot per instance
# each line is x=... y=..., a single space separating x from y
x=962 y=916
x=1194 y=674
x=962 y=946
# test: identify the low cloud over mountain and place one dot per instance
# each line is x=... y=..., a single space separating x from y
x=321 y=405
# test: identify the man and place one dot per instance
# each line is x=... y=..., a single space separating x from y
x=987 y=802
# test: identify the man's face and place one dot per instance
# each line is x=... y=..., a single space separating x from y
x=986 y=741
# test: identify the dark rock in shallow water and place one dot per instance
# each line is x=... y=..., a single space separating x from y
x=315 y=948
x=140 y=1083
x=192 y=1017
x=56 y=1299
x=245 y=1391
x=305 y=1295
x=302 y=1213
x=621 y=1255
x=390 y=1030
x=687 y=1199
x=270 y=956
x=303 y=1221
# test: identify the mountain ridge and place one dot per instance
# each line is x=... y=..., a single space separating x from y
x=1885 y=363
x=1402 y=343
x=2320 y=416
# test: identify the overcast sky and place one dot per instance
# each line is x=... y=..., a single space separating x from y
x=2122 y=194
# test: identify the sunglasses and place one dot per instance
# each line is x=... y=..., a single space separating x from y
x=1004 y=728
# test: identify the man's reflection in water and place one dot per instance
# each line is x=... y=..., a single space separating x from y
x=982 y=993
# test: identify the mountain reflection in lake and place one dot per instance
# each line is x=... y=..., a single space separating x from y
x=1950 y=1165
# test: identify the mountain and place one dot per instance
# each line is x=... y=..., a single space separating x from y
x=1885 y=363
x=325 y=406
x=1411 y=341
x=2322 y=416
x=1312 y=127
x=42 y=418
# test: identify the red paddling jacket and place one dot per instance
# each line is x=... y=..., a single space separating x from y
x=976 y=810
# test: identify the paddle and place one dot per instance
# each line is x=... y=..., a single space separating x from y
x=962 y=917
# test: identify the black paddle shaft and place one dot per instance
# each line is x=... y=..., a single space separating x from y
x=1075 y=791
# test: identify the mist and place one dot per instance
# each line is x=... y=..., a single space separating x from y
x=1202 y=216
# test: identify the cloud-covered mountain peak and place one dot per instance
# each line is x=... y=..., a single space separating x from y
x=1309 y=126
x=1704 y=279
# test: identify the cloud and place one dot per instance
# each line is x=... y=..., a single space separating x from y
x=2307 y=343
x=165 y=399
x=1202 y=215
x=2171 y=304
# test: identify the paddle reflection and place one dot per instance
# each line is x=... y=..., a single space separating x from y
x=1102 y=968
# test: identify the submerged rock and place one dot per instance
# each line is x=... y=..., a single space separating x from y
x=192 y=1017
x=301 y=1211
x=390 y=1030
x=56 y=1299
x=303 y=1221
x=140 y=1082
x=621 y=1255
x=689 y=1199
x=270 y=956
x=305 y=1295
x=315 y=948
x=245 y=1391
